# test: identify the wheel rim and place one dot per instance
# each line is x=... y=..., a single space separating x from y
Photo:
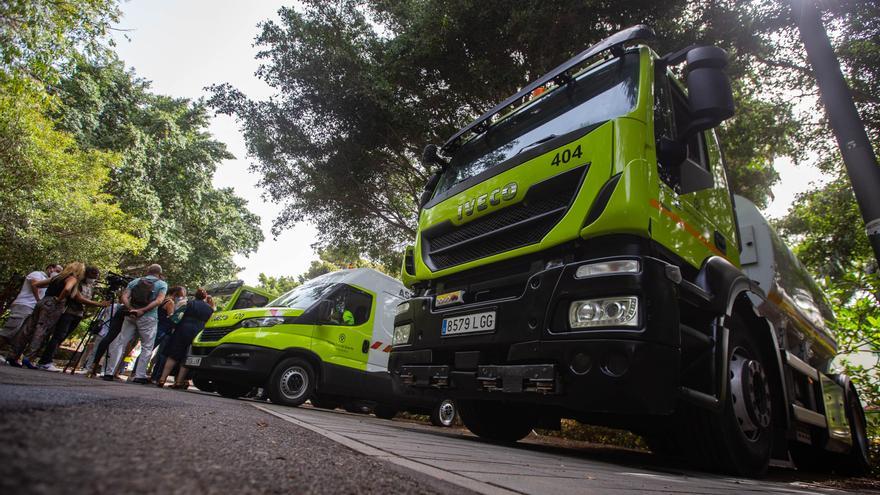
x=447 y=412
x=750 y=394
x=294 y=382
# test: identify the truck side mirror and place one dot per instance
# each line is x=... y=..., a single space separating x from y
x=709 y=93
x=430 y=157
x=325 y=307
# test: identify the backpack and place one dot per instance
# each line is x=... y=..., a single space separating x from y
x=142 y=293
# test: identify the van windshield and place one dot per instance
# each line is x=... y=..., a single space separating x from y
x=599 y=94
x=303 y=296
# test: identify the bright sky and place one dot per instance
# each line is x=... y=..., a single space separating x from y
x=184 y=46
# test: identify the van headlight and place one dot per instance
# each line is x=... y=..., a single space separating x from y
x=269 y=321
x=402 y=308
x=401 y=334
x=605 y=312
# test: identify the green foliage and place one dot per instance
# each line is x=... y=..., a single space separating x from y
x=338 y=258
x=53 y=204
x=573 y=430
x=41 y=38
x=277 y=285
x=164 y=177
x=363 y=87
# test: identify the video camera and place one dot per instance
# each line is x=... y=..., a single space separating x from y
x=114 y=282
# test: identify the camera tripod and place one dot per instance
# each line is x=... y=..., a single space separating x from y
x=90 y=334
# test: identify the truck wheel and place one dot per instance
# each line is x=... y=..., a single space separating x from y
x=739 y=439
x=385 y=411
x=443 y=413
x=292 y=382
x=231 y=390
x=856 y=463
x=497 y=421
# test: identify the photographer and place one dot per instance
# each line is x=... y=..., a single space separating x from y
x=73 y=314
x=141 y=298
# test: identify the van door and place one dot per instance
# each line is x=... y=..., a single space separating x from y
x=344 y=340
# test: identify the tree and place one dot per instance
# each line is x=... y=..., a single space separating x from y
x=42 y=38
x=53 y=206
x=164 y=177
x=363 y=87
x=277 y=285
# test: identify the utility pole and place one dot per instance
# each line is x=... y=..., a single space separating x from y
x=858 y=155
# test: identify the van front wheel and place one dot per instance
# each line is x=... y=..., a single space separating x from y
x=292 y=382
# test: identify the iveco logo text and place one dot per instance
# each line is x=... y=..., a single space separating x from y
x=484 y=201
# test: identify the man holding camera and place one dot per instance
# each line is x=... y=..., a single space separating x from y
x=141 y=298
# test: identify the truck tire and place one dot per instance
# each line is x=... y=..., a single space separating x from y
x=857 y=462
x=739 y=439
x=497 y=421
x=292 y=382
x=385 y=411
x=443 y=413
x=231 y=390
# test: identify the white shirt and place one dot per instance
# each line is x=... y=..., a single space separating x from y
x=26 y=295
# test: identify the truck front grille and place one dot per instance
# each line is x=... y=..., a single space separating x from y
x=524 y=223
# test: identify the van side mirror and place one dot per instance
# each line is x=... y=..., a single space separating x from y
x=709 y=94
x=325 y=308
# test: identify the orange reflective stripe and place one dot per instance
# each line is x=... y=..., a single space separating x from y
x=696 y=234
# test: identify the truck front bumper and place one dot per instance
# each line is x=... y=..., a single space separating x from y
x=533 y=356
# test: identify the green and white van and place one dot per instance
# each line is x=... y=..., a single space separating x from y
x=327 y=341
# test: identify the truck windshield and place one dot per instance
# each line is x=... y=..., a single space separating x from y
x=602 y=93
x=302 y=297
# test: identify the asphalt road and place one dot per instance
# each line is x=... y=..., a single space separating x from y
x=69 y=434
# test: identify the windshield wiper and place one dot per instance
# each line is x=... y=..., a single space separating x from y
x=536 y=143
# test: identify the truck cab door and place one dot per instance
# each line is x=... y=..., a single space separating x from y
x=694 y=219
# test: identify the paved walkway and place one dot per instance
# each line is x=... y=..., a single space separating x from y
x=457 y=457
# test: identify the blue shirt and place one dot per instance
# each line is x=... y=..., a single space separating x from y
x=159 y=285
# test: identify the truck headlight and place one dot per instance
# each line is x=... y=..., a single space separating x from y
x=269 y=321
x=402 y=308
x=605 y=312
x=401 y=334
x=606 y=267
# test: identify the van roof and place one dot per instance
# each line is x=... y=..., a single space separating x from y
x=363 y=277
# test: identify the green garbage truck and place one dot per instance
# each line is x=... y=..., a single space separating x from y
x=580 y=255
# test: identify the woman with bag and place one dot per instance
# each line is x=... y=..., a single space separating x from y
x=197 y=313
